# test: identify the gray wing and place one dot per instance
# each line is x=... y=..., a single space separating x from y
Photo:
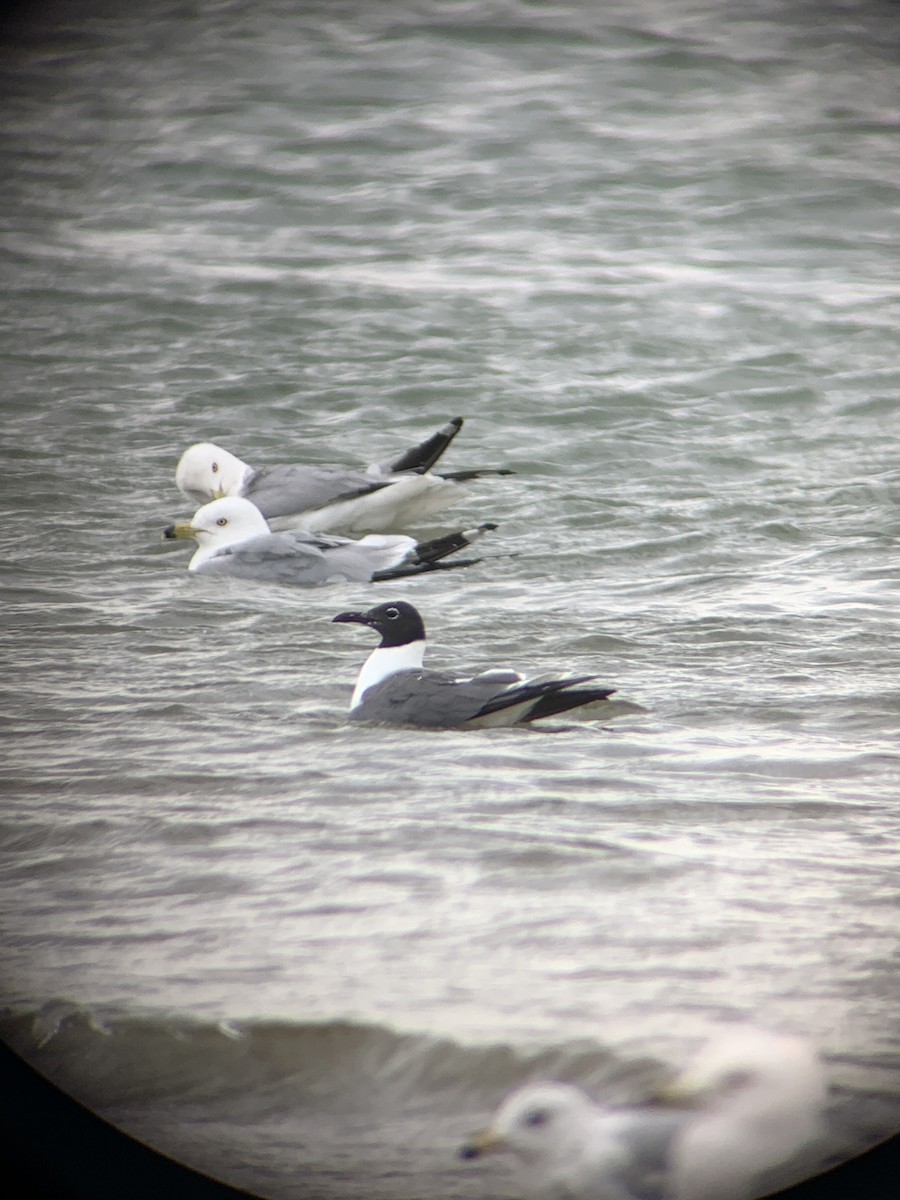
x=282 y=491
x=430 y=698
x=296 y=558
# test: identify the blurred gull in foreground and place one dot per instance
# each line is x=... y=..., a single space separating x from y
x=234 y=540
x=382 y=497
x=751 y=1102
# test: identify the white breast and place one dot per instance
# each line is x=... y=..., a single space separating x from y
x=385 y=661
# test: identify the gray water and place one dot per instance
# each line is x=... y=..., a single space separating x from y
x=650 y=252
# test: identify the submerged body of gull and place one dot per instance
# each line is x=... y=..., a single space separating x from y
x=384 y=496
x=234 y=540
x=394 y=688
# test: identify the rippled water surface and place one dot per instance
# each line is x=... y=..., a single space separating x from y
x=650 y=252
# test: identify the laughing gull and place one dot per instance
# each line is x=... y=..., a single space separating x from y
x=566 y=1145
x=394 y=688
x=383 y=497
x=757 y=1101
x=234 y=539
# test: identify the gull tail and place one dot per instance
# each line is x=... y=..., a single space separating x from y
x=559 y=702
x=437 y=548
x=427 y=556
x=549 y=698
x=422 y=458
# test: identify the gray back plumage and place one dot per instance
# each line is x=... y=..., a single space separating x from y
x=282 y=491
x=435 y=699
x=294 y=557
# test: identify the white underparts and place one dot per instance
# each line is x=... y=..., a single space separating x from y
x=408 y=500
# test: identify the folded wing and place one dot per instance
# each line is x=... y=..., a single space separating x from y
x=439 y=700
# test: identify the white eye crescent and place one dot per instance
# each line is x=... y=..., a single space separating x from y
x=392 y=614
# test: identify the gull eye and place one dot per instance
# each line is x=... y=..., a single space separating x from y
x=222 y=521
x=214 y=468
x=536 y=1118
x=392 y=614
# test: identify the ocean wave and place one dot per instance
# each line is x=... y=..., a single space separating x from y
x=114 y=1056
x=337 y=1109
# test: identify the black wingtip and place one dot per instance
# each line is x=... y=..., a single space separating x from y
x=553 y=703
x=421 y=568
x=449 y=543
x=477 y=473
x=468 y=1151
x=421 y=458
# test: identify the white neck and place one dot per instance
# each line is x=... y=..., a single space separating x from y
x=384 y=661
x=201 y=554
x=231 y=478
x=245 y=477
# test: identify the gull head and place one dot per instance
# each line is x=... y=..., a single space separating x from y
x=541 y=1123
x=219 y=524
x=207 y=472
x=397 y=622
